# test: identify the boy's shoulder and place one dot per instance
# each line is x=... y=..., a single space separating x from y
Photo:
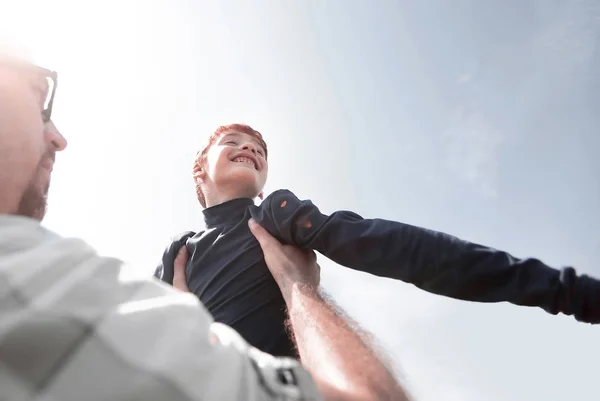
x=283 y=206
x=177 y=241
x=182 y=236
x=280 y=196
x=280 y=192
x=282 y=203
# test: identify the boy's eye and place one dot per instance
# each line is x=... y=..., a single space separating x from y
x=230 y=143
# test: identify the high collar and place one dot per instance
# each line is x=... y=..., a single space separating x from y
x=226 y=212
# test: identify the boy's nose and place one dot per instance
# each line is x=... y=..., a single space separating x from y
x=249 y=146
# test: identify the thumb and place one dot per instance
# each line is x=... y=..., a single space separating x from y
x=266 y=240
x=179 y=279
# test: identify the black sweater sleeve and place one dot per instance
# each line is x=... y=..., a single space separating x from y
x=434 y=261
x=165 y=269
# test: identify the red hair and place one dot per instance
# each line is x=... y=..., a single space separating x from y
x=223 y=129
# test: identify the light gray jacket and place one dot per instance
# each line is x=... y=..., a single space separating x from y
x=78 y=326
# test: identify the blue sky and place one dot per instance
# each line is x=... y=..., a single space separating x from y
x=477 y=118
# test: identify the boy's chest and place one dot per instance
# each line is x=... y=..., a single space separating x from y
x=227 y=264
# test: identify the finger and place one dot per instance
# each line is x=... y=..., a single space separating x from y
x=181 y=258
x=266 y=240
x=179 y=279
x=318 y=273
x=312 y=256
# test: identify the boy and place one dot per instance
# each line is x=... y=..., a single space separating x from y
x=226 y=269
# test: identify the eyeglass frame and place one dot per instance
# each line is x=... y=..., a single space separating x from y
x=41 y=71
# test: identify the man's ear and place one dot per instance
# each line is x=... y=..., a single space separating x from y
x=261 y=196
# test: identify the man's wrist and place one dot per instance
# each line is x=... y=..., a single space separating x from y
x=296 y=290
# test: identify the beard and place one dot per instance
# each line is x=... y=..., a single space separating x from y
x=34 y=200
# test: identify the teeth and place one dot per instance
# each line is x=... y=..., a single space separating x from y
x=246 y=160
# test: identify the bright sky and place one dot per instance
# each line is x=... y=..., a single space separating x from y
x=477 y=118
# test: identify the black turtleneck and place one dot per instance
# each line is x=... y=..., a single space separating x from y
x=227 y=271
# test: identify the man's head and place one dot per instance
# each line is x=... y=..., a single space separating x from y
x=232 y=165
x=28 y=138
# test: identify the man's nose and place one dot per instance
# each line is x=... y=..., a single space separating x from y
x=53 y=136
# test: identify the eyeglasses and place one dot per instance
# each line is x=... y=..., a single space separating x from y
x=49 y=76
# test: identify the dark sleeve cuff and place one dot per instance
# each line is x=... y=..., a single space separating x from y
x=581 y=296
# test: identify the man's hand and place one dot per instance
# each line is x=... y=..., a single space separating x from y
x=288 y=264
x=179 y=279
x=343 y=364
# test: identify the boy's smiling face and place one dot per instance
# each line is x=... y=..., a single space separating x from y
x=235 y=167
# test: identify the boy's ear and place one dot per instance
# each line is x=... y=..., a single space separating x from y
x=199 y=176
x=261 y=196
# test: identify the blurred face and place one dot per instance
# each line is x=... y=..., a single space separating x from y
x=235 y=167
x=28 y=144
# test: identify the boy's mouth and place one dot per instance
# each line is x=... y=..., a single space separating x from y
x=246 y=159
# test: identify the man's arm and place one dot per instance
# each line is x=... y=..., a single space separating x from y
x=434 y=261
x=344 y=366
x=335 y=352
x=77 y=326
